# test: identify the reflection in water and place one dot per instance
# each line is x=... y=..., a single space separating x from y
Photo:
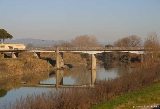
x=93 y=76
x=119 y=67
x=2 y=92
x=69 y=77
x=123 y=69
x=59 y=78
x=83 y=77
x=80 y=79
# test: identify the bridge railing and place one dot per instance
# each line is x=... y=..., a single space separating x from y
x=91 y=48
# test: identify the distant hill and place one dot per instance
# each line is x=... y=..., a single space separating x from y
x=42 y=43
x=35 y=42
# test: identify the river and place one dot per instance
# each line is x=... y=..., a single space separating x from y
x=38 y=83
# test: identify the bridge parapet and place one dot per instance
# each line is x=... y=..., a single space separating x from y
x=92 y=48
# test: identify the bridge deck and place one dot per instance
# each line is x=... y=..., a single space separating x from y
x=71 y=50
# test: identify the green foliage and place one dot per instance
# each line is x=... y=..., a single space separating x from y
x=145 y=97
x=5 y=35
x=2 y=92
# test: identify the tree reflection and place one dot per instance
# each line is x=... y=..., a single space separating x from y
x=16 y=81
x=83 y=77
x=3 y=92
x=123 y=68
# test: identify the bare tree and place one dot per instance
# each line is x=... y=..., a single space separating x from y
x=85 y=41
x=29 y=46
x=134 y=41
x=152 y=45
x=65 y=44
x=130 y=41
x=124 y=42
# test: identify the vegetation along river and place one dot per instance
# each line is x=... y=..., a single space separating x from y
x=16 y=87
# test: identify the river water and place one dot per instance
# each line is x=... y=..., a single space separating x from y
x=38 y=83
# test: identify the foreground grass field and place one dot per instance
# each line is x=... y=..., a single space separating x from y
x=145 y=98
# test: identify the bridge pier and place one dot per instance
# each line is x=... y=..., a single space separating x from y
x=129 y=58
x=36 y=54
x=59 y=60
x=93 y=62
x=93 y=76
x=59 y=78
x=141 y=58
x=13 y=55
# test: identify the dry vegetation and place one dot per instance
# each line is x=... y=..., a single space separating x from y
x=86 y=98
x=27 y=63
x=147 y=74
x=12 y=67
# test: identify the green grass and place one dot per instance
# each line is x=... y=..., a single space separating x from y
x=149 y=96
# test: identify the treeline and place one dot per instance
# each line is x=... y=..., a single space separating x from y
x=129 y=41
x=81 y=41
x=151 y=41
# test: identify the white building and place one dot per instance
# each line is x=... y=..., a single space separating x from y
x=12 y=47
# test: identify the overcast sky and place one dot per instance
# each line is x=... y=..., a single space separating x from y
x=108 y=20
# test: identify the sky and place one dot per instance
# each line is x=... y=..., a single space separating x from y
x=107 y=20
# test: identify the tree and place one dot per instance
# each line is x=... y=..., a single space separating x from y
x=152 y=45
x=134 y=41
x=130 y=41
x=29 y=46
x=85 y=41
x=5 y=35
x=124 y=42
x=65 y=44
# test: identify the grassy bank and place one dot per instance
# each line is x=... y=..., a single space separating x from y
x=144 y=98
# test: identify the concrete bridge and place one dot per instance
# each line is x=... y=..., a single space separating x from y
x=60 y=62
x=92 y=50
x=88 y=50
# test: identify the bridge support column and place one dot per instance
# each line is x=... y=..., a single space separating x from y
x=36 y=54
x=93 y=62
x=129 y=58
x=93 y=76
x=59 y=60
x=141 y=58
x=59 y=78
x=14 y=55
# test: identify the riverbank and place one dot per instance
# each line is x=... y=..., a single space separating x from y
x=26 y=63
x=103 y=91
x=143 y=98
x=11 y=67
